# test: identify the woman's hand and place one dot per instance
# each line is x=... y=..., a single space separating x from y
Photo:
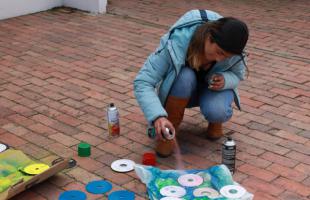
x=217 y=82
x=160 y=125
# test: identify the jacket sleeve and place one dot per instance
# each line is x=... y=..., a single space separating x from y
x=234 y=75
x=149 y=77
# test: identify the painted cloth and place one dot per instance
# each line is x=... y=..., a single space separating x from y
x=214 y=177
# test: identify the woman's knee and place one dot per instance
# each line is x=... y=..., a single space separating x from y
x=185 y=83
x=216 y=113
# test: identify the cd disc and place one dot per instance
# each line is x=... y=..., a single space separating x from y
x=173 y=191
x=98 y=187
x=190 y=180
x=206 y=192
x=232 y=191
x=35 y=169
x=73 y=195
x=121 y=194
x=123 y=165
x=3 y=147
x=170 y=198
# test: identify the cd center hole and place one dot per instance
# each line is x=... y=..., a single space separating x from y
x=206 y=193
x=233 y=191
x=190 y=180
x=123 y=165
x=173 y=191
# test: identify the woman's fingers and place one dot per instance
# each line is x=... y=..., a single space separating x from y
x=217 y=82
x=158 y=131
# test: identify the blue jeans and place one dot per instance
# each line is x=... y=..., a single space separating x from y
x=214 y=105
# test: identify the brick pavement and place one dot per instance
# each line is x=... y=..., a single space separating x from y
x=60 y=69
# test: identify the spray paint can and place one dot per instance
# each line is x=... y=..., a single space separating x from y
x=113 y=120
x=167 y=134
x=229 y=154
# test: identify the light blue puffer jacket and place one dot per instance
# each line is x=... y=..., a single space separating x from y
x=153 y=82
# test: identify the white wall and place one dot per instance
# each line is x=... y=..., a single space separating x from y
x=13 y=8
x=94 y=6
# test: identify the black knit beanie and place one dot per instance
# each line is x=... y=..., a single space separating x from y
x=232 y=35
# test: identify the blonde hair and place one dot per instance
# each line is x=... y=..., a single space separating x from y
x=195 y=52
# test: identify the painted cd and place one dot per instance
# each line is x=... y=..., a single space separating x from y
x=173 y=191
x=3 y=147
x=121 y=194
x=232 y=191
x=73 y=195
x=190 y=180
x=123 y=165
x=35 y=168
x=98 y=187
x=206 y=192
x=171 y=198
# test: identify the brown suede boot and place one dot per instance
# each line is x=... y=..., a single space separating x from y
x=214 y=131
x=175 y=108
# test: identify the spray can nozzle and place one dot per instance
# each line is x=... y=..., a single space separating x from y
x=168 y=134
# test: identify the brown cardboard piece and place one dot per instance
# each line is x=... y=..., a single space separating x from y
x=57 y=166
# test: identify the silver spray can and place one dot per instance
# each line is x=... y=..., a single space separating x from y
x=113 y=120
x=229 y=154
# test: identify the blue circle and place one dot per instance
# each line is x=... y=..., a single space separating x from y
x=98 y=187
x=73 y=195
x=121 y=195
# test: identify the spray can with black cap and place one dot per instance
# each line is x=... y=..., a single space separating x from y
x=229 y=154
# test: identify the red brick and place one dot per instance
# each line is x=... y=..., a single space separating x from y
x=253 y=160
x=261 y=144
x=48 y=190
x=293 y=186
x=88 y=163
x=107 y=158
x=91 y=129
x=257 y=172
x=114 y=149
x=82 y=175
x=69 y=120
x=114 y=177
x=263 y=186
x=251 y=102
x=86 y=137
x=265 y=137
x=299 y=157
x=301 y=125
x=263 y=195
x=287 y=172
x=64 y=139
x=12 y=140
x=305 y=169
x=16 y=130
x=60 y=179
x=19 y=119
x=42 y=129
x=136 y=186
x=96 y=95
x=299 y=117
x=290 y=196
x=281 y=160
x=289 y=136
x=60 y=150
